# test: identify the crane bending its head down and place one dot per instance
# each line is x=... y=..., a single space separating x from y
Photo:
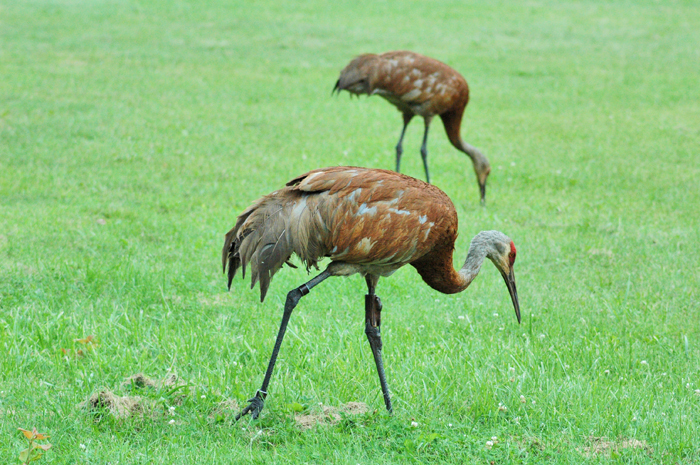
x=417 y=85
x=370 y=222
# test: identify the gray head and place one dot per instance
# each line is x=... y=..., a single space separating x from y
x=500 y=249
x=482 y=168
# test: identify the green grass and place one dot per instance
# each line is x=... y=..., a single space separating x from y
x=133 y=132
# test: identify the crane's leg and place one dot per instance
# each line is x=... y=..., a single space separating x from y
x=424 y=148
x=257 y=402
x=399 y=147
x=373 y=320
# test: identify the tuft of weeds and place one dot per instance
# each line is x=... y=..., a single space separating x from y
x=35 y=449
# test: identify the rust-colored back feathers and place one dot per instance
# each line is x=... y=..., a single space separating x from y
x=412 y=82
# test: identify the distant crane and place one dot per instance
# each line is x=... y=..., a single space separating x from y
x=370 y=222
x=417 y=85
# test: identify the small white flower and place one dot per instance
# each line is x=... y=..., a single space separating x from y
x=634 y=418
x=495 y=314
x=172 y=422
x=607 y=372
x=203 y=396
x=171 y=408
x=511 y=369
x=449 y=425
x=697 y=392
x=414 y=424
x=502 y=408
x=494 y=439
x=460 y=317
x=235 y=363
x=83 y=446
x=643 y=362
x=489 y=444
x=522 y=399
x=533 y=402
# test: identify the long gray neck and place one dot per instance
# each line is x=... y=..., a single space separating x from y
x=478 y=158
x=479 y=249
x=472 y=265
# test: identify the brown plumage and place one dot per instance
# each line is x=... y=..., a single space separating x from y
x=366 y=221
x=417 y=85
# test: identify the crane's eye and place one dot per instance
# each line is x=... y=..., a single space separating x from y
x=511 y=258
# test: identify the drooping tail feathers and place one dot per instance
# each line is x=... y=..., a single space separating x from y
x=269 y=231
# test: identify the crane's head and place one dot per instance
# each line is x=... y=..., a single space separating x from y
x=482 y=167
x=482 y=172
x=501 y=251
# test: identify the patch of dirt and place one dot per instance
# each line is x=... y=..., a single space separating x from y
x=329 y=415
x=139 y=380
x=605 y=446
x=118 y=406
x=130 y=406
x=355 y=408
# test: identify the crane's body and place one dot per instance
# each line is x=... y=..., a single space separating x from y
x=417 y=85
x=366 y=221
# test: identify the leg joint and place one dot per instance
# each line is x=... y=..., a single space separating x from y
x=294 y=296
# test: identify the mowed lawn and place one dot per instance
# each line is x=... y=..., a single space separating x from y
x=132 y=133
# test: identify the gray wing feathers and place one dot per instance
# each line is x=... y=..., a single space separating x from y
x=267 y=233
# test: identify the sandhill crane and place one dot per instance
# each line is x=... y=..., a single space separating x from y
x=370 y=222
x=417 y=85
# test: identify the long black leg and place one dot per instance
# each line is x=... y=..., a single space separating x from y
x=399 y=147
x=293 y=297
x=373 y=321
x=424 y=149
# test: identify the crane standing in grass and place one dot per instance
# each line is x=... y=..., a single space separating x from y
x=417 y=85
x=370 y=222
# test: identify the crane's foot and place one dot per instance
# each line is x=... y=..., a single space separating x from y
x=255 y=407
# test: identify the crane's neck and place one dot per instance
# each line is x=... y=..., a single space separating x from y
x=452 y=122
x=472 y=265
x=472 y=152
x=439 y=273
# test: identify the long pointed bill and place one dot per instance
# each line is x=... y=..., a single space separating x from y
x=482 y=190
x=510 y=282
